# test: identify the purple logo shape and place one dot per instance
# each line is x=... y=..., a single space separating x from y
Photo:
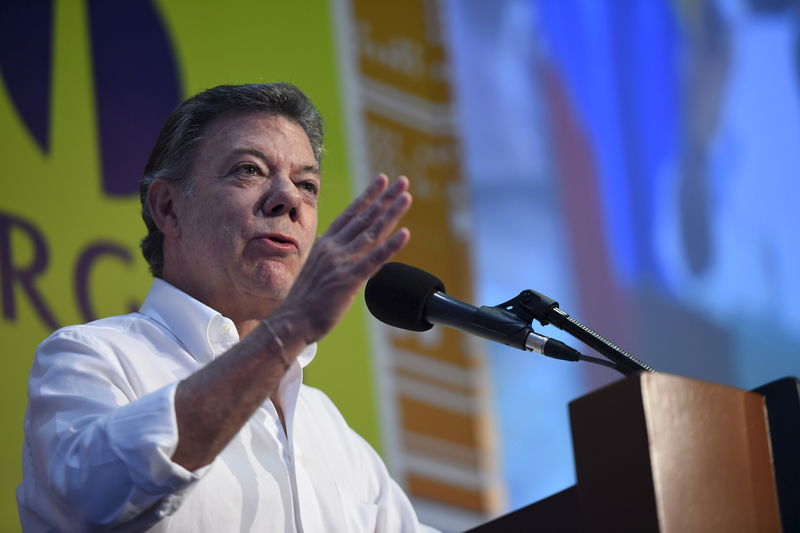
x=135 y=79
x=136 y=86
x=25 y=62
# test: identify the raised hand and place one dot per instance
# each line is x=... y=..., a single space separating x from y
x=356 y=244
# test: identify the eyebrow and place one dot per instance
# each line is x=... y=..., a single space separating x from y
x=251 y=151
x=258 y=154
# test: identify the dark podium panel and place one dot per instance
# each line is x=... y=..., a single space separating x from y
x=663 y=454
x=783 y=409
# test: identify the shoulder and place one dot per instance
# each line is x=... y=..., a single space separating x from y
x=320 y=415
x=356 y=465
x=99 y=333
x=103 y=349
x=315 y=400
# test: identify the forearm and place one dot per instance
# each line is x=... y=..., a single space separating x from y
x=214 y=403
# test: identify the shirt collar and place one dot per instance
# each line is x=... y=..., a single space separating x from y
x=202 y=331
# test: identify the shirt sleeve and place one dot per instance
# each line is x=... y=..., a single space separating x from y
x=96 y=455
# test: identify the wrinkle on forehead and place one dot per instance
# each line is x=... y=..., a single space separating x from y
x=243 y=132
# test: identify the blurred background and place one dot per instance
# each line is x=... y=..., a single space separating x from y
x=637 y=161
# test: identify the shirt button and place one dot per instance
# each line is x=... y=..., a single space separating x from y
x=225 y=330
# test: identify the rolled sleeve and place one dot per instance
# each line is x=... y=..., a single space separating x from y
x=96 y=455
x=144 y=435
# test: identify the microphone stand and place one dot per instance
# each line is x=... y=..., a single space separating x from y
x=529 y=304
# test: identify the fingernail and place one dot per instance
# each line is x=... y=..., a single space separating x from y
x=376 y=183
x=399 y=183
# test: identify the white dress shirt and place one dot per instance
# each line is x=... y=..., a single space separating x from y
x=100 y=429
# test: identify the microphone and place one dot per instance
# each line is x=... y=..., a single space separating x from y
x=409 y=298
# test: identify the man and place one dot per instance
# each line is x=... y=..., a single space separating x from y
x=190 y=415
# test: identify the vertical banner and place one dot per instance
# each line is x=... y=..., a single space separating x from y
x=436 y=417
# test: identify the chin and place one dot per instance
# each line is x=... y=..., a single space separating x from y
x=274 y=280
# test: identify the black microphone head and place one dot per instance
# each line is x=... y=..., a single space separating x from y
x=397 y=295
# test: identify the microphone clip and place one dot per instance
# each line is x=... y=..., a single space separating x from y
x=529 y=305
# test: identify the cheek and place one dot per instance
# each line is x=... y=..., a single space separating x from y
x=216 y=227
x=310 y=230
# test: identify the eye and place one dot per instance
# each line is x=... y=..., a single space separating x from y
x=309 y=186
x=248 y=169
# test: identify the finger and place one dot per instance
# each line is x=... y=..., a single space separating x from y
x=381 y=227
x=380 y=204
x=369 y=195
x=358 y=224
x=371 y=262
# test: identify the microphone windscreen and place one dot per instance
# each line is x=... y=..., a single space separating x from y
x=397 y=295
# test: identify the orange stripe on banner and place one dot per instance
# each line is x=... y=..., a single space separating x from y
x=443 y=424
x=450 y=350
x=470 y=391
x=400 y=44
x=451 y=494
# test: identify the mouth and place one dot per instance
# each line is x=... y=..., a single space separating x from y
x=280 y=240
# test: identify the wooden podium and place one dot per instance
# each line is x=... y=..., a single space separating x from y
x=661 y=453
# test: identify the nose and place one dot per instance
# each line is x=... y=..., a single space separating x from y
x=282 y=198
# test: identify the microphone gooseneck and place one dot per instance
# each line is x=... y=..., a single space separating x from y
x=534 y=305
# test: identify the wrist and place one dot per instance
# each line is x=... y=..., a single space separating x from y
x=295 y=326
x=279 y=348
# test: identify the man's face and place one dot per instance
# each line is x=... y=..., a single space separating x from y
x=249 y=222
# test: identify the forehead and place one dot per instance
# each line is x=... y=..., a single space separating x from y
x=260 y=130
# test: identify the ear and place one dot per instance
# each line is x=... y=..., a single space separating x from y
x=161 y=198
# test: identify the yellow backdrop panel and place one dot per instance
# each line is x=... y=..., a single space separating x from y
x=52 y=204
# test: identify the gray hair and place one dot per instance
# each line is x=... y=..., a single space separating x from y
x=177 y=144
